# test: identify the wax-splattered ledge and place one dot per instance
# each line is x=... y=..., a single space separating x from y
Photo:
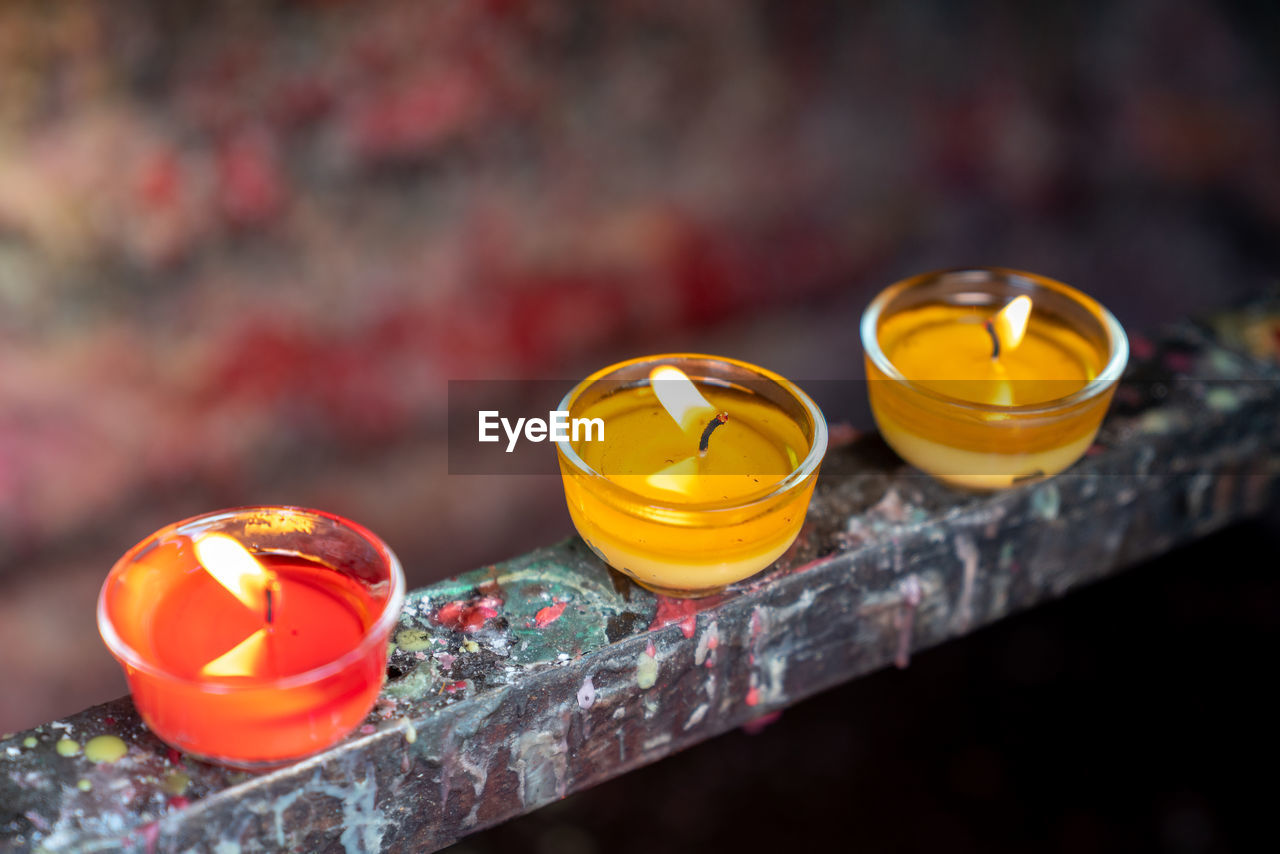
x=513 y=685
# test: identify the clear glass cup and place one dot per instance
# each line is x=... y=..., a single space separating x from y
x=339 y=593
x=692 y=548
x=981 y=445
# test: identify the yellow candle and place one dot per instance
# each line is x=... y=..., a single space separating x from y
x=955 y=393
x=681 y=520
x=946 y=348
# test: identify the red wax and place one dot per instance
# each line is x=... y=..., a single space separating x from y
x=317 y=616
x=314 y=674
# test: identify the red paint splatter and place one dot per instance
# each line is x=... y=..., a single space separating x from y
x=651 y=650
x=368 y=729
x=467 y=616
x=109 y=721
x=450 y=614
x=178 y=802
x=681 y=611
x=150 y=832
x=1141 y=346
x=1094 y=450
x=753 y=696
x=756 y=725
x=174 y=756
x=455 y=687
x=549 y=615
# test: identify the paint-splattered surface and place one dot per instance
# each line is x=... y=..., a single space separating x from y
x=512 y=685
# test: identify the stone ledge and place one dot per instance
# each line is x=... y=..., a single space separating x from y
x=582 y=676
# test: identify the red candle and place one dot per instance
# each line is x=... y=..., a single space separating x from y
x=256 y=636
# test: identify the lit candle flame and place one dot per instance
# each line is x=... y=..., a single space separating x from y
x=243 y=659
x=689 y=409
x=1009 y=326
x=1007 y=329
x=236 y=569
x=681 y=398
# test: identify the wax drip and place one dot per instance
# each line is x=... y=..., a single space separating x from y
x=715 y=422
x=995 y=339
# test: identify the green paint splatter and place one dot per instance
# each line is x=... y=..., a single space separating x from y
x=84 y=785
x=413 y=640
x=29 y=741
x=471 y=646
x=1224 y=364
x=175 y=782
x=67 y=747
x=1222 y=400
x=105 y=748
x=417 y=684
x=646 y=671
x=1045 y=502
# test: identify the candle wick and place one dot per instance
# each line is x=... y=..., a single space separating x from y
x=270 y=616
x=715 y=422
x=995 y=339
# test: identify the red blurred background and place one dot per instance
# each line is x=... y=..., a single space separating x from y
x=244 y=246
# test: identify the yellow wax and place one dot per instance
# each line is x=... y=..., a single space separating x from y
x=757 y=447
x=947 y=349
x=717 y=519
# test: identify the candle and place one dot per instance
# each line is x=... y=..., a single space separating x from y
x=256 y=636
x=704 y=473
x=986 y=377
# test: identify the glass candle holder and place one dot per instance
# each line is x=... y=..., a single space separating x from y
x=678 y=522
x=275 y=655
x=950 y=403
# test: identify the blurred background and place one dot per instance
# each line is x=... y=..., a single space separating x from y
x=245 y=245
